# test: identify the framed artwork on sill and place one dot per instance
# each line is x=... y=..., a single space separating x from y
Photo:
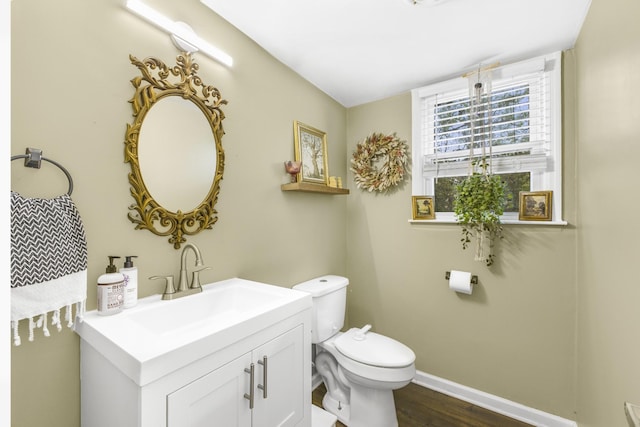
x=310 y=147
x=423 y=207
x=535 y=205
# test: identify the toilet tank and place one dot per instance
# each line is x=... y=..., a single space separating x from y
x=329 y=296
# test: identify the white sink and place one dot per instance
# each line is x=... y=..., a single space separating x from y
x=221 y=303
x=151 y=339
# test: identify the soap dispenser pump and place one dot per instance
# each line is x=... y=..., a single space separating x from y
x=110 y=290
x=131 y=282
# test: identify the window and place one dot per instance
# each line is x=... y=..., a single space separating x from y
x=523 y=126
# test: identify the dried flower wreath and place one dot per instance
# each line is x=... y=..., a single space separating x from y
x=387 y=150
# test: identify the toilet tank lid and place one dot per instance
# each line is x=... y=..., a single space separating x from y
x=322 y=285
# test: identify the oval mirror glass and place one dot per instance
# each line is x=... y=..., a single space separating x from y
x=177 y=154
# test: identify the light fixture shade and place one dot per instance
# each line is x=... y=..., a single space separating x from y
x=426 y=2
x=181 y=43
x=178 y=30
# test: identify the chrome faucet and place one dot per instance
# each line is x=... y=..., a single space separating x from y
x=184 y=287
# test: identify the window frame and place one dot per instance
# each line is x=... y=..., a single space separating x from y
x=550 y=179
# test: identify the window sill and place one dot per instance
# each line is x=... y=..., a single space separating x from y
x=505 y=222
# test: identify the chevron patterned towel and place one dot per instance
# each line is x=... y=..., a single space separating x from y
x=48 y=262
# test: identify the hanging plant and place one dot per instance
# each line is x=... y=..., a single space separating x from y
x=479 y=200
x=478 y=204
x=390 y=151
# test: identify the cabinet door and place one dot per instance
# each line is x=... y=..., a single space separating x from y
x=214 y=400
x=282 y=403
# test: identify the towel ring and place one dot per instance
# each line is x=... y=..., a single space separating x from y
x=33 y=160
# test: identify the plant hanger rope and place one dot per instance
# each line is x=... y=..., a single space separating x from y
x=378 y=147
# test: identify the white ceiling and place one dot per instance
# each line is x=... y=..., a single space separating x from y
x=359 y=51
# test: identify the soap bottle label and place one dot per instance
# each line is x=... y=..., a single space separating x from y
x=130 y=273
x=110 y=297
x=130 y=287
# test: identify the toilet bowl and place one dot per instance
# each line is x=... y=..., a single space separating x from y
x=369 y=370
x=359 y=368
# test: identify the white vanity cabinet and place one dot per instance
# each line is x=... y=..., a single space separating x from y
x=225 y=397
x=135 y=378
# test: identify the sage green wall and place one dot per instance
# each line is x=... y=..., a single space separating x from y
x=608 y=64
x=70 y=90
x=514 y=337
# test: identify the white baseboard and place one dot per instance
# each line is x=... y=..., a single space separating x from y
x=493 y=403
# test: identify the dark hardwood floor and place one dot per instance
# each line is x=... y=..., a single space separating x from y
x=417 y=406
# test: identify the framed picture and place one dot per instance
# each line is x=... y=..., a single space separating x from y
x=310 y=145
x=535 y=205
x=423 y=207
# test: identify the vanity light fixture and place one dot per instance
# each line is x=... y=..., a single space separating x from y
x=181 y=33
x=427 y=2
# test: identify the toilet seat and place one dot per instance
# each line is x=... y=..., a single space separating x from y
x=374 y=349
x=393 y=377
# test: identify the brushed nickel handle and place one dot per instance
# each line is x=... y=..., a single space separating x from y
x=263 y=386
x=170 y=289
x=195 y=278
x=249 y=396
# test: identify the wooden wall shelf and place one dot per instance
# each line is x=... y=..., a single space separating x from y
x=313 y=188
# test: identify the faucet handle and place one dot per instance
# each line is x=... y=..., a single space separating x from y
x=170 y=289
x=195 y=278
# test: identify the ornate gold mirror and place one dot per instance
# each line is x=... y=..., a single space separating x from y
x=174 y=147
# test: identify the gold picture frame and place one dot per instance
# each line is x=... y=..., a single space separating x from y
x=310 y=146
x=423 y=207
x=536 y=205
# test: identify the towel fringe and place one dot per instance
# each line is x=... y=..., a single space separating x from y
x=16 y=336
x=80 y=309
x=32 y=325
x=45 y=330
x=67 y=316
x=42 y=320
x=55 y=320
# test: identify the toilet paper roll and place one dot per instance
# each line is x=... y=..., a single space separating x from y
x=460 y=281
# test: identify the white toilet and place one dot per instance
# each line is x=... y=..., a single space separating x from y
x=360 y=369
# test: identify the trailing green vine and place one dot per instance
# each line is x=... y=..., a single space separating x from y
x=478 y=205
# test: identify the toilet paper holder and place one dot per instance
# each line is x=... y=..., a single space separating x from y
x=474 y=278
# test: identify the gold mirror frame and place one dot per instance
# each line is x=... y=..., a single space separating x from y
x=156 y=82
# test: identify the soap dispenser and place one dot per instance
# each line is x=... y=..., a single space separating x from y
x=110 y=290
x=131 y=282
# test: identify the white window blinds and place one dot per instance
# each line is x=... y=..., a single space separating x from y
x=516 y=126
